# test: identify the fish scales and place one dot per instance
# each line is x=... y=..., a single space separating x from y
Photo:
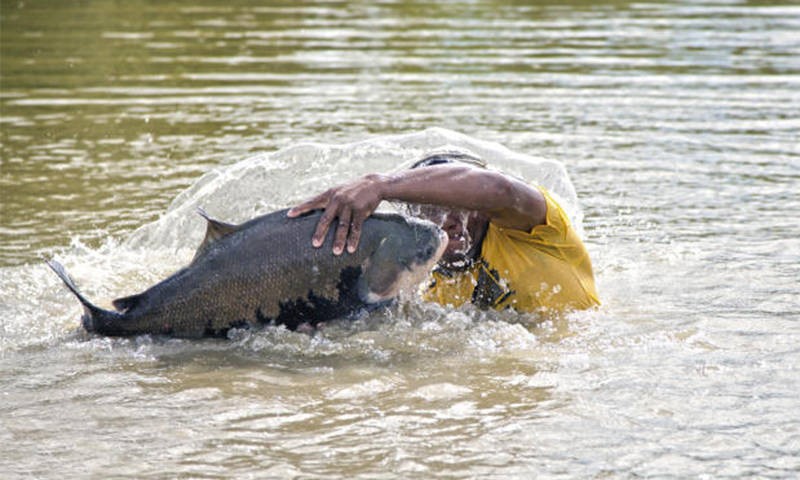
x=266 y=271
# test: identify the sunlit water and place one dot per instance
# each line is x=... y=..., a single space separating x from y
x=669 y=129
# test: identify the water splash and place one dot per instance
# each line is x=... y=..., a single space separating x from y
x=36 y=311
x=275 y=180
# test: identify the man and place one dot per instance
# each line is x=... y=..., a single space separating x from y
x=510 y=244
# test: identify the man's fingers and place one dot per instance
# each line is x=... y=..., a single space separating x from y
x=295 y=211
x=306 y=207
x=316 y=203
x=341 y=231
x=355 y=232
x=323 y=226
x=349 y=206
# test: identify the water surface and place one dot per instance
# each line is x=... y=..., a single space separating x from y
x=676 y=123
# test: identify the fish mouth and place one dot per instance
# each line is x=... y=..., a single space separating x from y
x=421 y=269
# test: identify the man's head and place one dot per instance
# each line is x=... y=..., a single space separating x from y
x=464 y=228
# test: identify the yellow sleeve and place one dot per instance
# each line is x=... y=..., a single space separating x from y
x=545 y=269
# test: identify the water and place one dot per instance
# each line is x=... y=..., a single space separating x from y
x=676 y=123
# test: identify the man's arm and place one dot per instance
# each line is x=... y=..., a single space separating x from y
x=508 y=202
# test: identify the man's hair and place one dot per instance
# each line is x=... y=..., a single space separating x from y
x=441 y=158
x=448 y=157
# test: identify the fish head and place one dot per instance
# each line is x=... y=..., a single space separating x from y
x=423 y=248
x=403 y=259
x=464 y=228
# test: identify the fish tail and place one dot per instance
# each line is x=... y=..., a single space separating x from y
x=93 y=316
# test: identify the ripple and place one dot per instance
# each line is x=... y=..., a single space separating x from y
x=676 y=122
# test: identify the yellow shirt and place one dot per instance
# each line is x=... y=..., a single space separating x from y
x=544 y=270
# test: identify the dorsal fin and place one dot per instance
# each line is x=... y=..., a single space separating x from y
x=126 y=303
x=214 y=231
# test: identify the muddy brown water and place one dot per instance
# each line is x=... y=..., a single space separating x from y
x=669 y=128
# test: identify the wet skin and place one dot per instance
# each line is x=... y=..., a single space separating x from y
x=465 y=231
x=467 y=198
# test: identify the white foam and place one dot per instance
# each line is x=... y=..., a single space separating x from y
x=35 y=309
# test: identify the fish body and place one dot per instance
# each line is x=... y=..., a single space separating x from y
x=265 y=271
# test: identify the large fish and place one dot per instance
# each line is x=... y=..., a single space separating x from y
x=266 y=271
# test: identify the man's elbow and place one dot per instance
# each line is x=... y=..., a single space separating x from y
x=510 y=193
x=512 y=198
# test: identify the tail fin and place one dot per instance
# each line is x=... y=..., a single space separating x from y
x=91 y=312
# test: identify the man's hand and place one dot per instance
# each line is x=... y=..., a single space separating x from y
x=351 y=204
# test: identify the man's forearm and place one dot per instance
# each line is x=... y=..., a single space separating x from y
x=508 y=202
x=451 y=186
x=505 y=201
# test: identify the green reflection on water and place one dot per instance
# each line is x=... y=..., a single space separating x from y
x=110 y=108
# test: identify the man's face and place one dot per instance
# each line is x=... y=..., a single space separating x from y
x=456 y=223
